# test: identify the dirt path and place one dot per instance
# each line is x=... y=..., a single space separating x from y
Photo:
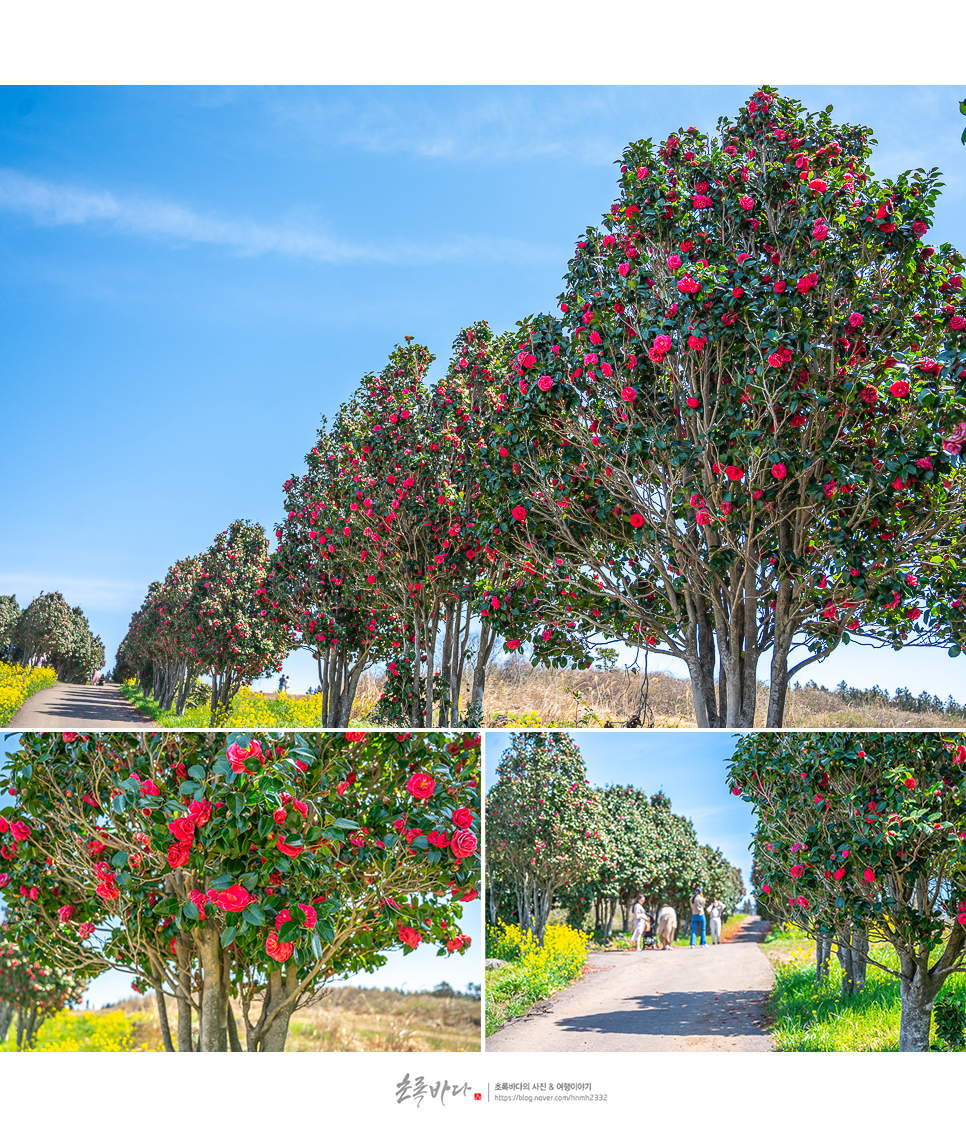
x=71 y=706
x=686 y=999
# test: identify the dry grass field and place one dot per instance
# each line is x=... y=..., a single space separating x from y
x=518 y=695
x=358 y=1019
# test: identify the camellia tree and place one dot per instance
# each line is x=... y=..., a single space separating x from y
x=730 y=441
x=543 y=824
x=254 y=867
x=862 y=840
x=382 y=553
x=50 y=629
x=31 y=993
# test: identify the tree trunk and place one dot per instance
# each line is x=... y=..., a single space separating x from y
x=271 y=1030
x=823 y=951
x=6 y=1018
x=918 y=991
x=852 y=952
x=234 y=1041
x=163 y=1016
x=212 y=1017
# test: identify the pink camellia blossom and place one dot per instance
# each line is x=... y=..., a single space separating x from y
x=819 y=185
x=766 y=888
x=746 y=202
x=900 y=389
x=957 y=323
x=85 y=930
x=511 y=645
x=70 y=736
x=624 y=268
x=689 y=286
x=674 y=262
x=797 y=871
x=703 y=517
x=701 y=201
x=545 y=382
x=779 y=470
x=421 y=786
x=310 y=914
x=19 y=830
x=662 y=343
x=636 y=520
x=519 y=513
x=64 y=914
x=819 y=231
x=856 y=320
x=734 y=473
x=237 y=755
x=462 y=817
x=919 y=227
x=954 y=443
x=464 y=843
x=869 y=875
x=628 y=394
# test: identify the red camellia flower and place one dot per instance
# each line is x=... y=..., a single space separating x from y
x=179 y=855
x=900 y=389
x=628 y=394
x=85 y=930
x=464 y=843
x=421 y=785
x=409 y=935
x=108 y=890
x=818 y=185
x=462 y=818
x=703 y=517
x=511 y=645
x=746 y=202
x=910 y=783
x=232 y=899
x=355 y=736
x=636 y=520
x=70 y=736
x=182 y=829
x=64 y=914
x=797 y=871
x=735 y=473
x=519 y=513
x=545 y=382
x=779 y=471
x=869 y=875
x=288 y=850
x=280 y=952
x=236 y=755
x=960 y=755
x=957 y=323
x=687 y=285
x=19 y=830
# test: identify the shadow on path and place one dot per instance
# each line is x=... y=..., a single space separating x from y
x=68 y=705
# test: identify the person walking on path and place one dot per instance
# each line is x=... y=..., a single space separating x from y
x=715 y=912
x=697 y=916
x=667 y=926
x=642 y=922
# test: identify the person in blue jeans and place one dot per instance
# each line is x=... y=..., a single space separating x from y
x=697 y=916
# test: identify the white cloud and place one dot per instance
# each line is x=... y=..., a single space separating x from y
x=51 y=204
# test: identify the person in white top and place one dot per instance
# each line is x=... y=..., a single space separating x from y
x=642 y=922
x=715 y=912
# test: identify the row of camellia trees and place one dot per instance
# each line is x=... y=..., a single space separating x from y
x=237 y=871
x=861 y=841
x=554 y=840
x=49 y=632
x=739 y=436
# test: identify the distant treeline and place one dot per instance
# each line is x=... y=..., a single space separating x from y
x=902 y=700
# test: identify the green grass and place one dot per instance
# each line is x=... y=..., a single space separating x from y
x=808 y=1015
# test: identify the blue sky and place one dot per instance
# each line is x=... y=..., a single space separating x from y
x=689 y=766
x=421 y=970
x=191 y=277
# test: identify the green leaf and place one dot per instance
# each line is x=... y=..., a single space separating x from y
x=228 y=935
x=253 y=915
x=288 y=931
x=326 y=931
x=197 y=772
x=345 y=823
x=190 y=910
x=188 y=787
x=226 y=880
x=119 y=804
